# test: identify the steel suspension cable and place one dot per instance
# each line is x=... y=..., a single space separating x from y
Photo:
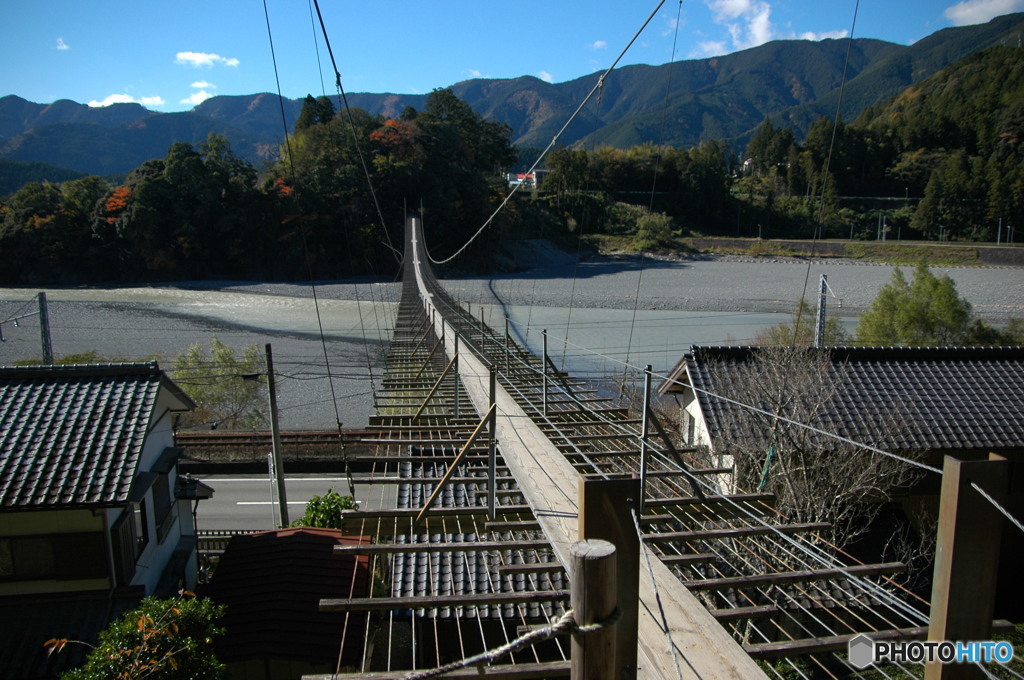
x=594 y=90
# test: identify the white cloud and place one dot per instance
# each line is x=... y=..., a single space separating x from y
x=474 y=73
x=811 y=35
x=545 y=76
x=979 y=11
x=748 y=21
x=709 y=48
x=203 y=59
x=61 y=45
x=197 y=98
x=671 y=26
x=128 y=99
x=599 y=45
x=202 y=85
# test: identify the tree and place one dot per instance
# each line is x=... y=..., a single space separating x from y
x=800 y=331
x=815 y=478
x=325 y=511
x=927 y=311
x=653 y=230
x=162 y=639
x=229 y=391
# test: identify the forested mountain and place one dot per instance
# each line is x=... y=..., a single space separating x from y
x=941 y=161
x=680 y=104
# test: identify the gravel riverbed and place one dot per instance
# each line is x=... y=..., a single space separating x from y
x=599 y=313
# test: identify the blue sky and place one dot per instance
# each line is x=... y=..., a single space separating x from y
x=169 y=56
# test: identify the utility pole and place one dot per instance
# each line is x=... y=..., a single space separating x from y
x=819 y=326
x=44 y=329
x=275 y=436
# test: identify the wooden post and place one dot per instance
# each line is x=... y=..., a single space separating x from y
x=44 y=330
x=644 y=432
x=492 y=464
x=455 y=373
x=544 y=371
x=593 y=600
x=606 y=513
x=966 y=558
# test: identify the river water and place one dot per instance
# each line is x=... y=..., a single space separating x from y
x=599 y=314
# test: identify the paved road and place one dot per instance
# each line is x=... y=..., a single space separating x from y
x=249 y=501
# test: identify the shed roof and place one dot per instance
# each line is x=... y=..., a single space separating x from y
x=272 y=583
x=72 y=436
x=948 y=398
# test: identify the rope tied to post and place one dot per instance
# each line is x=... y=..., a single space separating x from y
x=566 y=623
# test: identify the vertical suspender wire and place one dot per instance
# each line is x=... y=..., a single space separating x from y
x=654 y=184
x=825 y=169
x=316 y=46
x=814 y=244
x=305 y=248
x=355 y=137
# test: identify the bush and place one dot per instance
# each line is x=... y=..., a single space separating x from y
x=161 y=639
x=653 y=230
x=325 y=511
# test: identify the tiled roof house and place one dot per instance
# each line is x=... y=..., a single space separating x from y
x=88 y=504
x=963 y=401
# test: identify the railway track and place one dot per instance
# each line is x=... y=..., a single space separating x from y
x=260 y=438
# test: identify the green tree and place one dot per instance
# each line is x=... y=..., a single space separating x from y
x=229 y=390
x=162 y=639
x=800 y=331
x=925 y=312
x=325 y=511
x=653 y=230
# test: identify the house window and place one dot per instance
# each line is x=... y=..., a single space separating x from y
x=140 y=526
x=688 y=425
x=64 y=557
x=163 y=507
x=26 y=558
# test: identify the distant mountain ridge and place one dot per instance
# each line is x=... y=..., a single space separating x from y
x=680 y=104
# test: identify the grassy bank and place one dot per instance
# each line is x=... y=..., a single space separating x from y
x=886 y=252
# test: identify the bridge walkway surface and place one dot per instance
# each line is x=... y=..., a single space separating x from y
x=724 y=580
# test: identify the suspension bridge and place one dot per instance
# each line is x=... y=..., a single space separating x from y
x=490 y=463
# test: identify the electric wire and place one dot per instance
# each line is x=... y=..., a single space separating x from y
x=594 y=90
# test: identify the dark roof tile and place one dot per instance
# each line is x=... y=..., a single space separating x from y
x=72 y=435
x=948 y=397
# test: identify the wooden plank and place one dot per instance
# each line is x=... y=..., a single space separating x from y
x=689 y=501
x=356 y=515
x=550 y=485
x=451 y=546
x=519 y=525
x=441 y=601
x=519 y=671
x=801 y=576
x=832 y=643
x=735 y=532
x=534 y=568
x=687 y=559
